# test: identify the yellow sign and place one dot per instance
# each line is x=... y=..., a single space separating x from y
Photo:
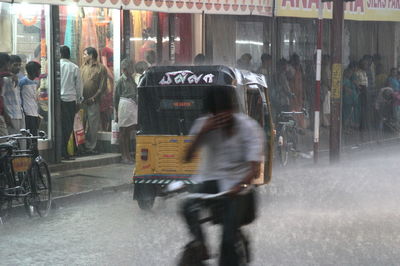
x=336 y=81
x=21 y=164
x=371 y=10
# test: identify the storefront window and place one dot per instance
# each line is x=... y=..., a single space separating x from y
x=24 y=32
x=183 y=39
x=83 y=27
x=250 y=40
x=143 y=34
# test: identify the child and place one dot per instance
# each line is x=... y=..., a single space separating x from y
x=29 y=96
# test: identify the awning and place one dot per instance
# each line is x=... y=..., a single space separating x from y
x=363 y=10
x=232 y=7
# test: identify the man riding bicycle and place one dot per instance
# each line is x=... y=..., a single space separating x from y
x=232 y=149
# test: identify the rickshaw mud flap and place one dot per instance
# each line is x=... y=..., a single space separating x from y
x=149 y=187
x=160 y=181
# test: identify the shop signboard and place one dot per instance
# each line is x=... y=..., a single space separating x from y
x=363 y=10
x=233 y=7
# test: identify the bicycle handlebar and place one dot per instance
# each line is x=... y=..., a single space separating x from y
x=220 y=195
x=293 y=113
x=42 y=135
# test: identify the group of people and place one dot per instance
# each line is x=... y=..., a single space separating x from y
x=370 y=96
x=287 y=83
x=85 y=88
x=19 y=95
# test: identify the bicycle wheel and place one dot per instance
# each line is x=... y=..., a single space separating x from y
x=41 y=188
x=5 y=201
x=5 y=206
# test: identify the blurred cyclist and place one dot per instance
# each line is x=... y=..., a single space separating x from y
x=232 y=146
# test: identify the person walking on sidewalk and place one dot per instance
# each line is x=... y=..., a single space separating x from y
x=125 y=103
x=71 y=96
x=94 y=79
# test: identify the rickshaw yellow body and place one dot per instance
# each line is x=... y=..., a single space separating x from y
x=165 y=158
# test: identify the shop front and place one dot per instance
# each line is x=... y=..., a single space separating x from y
x=150 y=32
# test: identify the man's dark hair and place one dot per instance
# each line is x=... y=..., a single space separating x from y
x=141 y=66
x=32 y=68
x=151 y=57
x=4 y=59
x=219 y=99
x=15 y=59
x=65 y=52
x=92 y=52
x=199 y=59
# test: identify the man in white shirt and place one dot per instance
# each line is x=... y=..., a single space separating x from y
x=232 y=149
x=71 y=95
x=12 y=102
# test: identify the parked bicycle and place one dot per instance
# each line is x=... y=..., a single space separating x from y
x=24 y=175
x=287 y=136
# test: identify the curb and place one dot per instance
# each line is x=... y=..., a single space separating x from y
x=78 y=164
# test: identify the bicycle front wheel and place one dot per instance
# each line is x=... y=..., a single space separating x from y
x=41 y=188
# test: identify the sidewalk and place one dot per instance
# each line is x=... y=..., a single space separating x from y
x=86 y=161
x=81 y=182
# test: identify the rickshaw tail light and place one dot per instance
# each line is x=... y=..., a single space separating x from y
x=144 y=154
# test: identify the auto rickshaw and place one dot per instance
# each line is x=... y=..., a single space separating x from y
x=170 y=98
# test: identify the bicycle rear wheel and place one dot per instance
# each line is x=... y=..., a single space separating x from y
x=5 y=207
x=41 y=196
x=5 y=201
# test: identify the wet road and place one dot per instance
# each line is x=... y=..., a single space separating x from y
x=329 y=215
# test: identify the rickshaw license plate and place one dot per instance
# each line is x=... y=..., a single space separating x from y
x=21 y=164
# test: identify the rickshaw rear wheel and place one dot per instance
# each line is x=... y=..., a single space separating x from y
x=146 y=204
x=145 y=195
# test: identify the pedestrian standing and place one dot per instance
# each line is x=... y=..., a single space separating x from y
x=140 y=68
x=29 y=96
x=394 y=80
x=71 y=96
x=12 y=97
x=295 y=75
x=266 y=66
x=16 y=65
x=362 y=83
x=4 y=72
x=151 y=58
x=281 y=92
x=326 y=83
x=125 y=103
x=380 y=78
x=94 y=79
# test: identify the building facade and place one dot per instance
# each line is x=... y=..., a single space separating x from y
x=177 y=31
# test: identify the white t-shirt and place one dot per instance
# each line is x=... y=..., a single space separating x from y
x=228 y=159
x=29 y=96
